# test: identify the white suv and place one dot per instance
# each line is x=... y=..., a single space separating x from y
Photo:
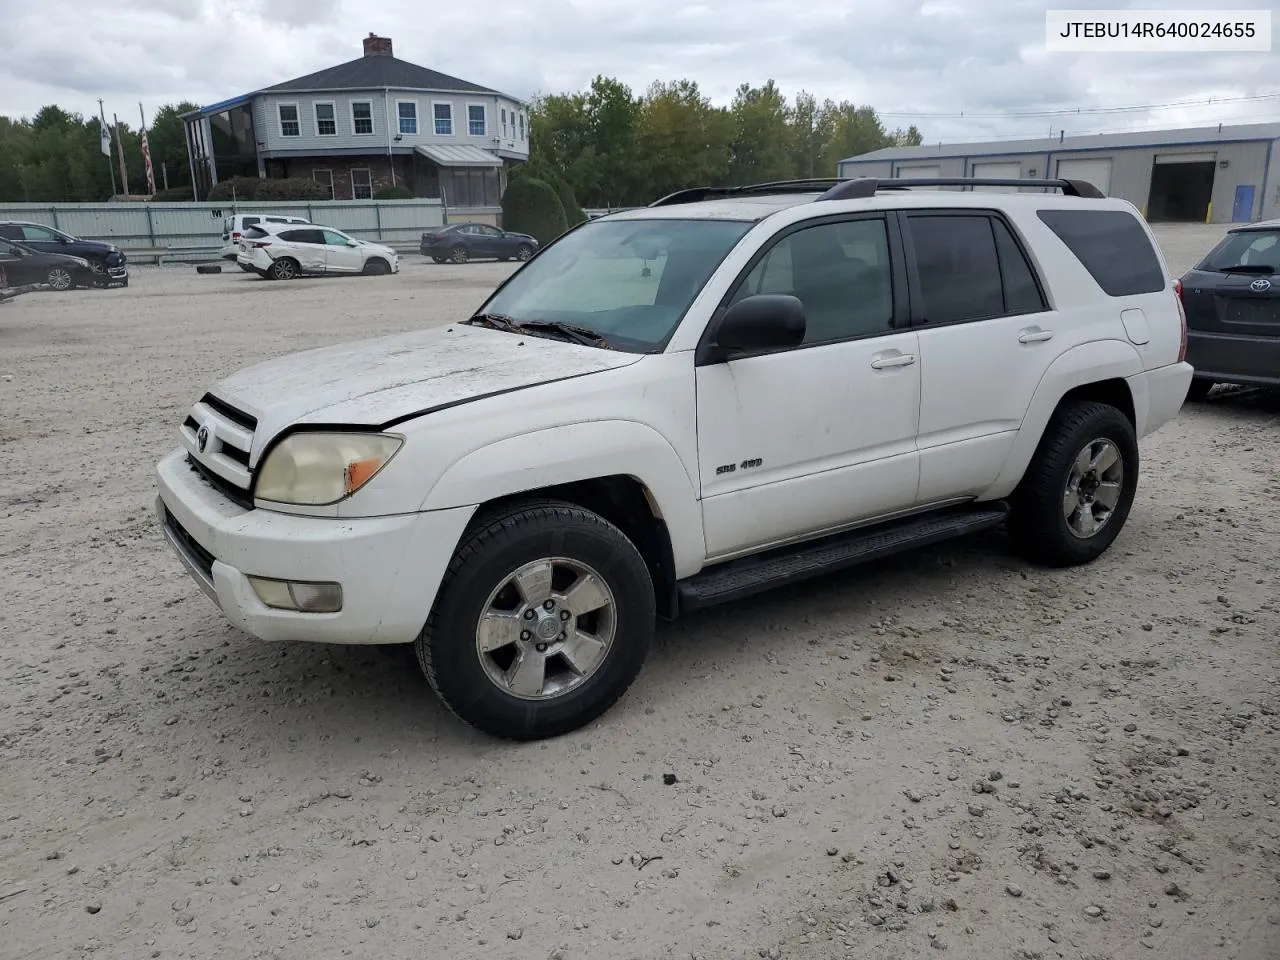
x=677 y=406
x=234 y=227
x=291 y=252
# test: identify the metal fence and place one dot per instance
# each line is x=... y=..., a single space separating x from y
x=194 y=230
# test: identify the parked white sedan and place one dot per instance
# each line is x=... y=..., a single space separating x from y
x=313 y=250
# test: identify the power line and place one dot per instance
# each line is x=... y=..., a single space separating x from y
x=1076 y=111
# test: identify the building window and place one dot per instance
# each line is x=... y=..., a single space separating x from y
x=522 y=126
x=471 y=186
x=362 y=117
x=504 y=123
x=407 y=113
x=476 y=119
x=326 y=120
x=361 y=183
x=443 y=114
x=289 y=125
x=325 y=177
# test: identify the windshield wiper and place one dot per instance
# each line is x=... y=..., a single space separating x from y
x=1264 y=268
x=570 y=331
x=497 y=321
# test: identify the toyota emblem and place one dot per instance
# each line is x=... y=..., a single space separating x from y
x=1260 y=284
x=202 y=438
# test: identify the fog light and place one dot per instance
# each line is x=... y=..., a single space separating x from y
x=297 y=595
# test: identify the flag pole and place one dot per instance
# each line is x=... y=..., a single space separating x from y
x=104 y=136
x=124 y=171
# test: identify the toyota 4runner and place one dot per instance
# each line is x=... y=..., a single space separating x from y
x=678 y=406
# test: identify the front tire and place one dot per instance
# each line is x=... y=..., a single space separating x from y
x=542 y=622
x=286 y=268
x=377 y=267
x=524 y=252
x=1077 y=492
x=459 y=254
x=59 y=278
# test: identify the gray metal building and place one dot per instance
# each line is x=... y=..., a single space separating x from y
x=1219 y=174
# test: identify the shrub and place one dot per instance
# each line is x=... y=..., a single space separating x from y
x=573 y=213
x=531 y=206
x=394 y=193
x=291 y=188
x=173 y=194
x=237 y=188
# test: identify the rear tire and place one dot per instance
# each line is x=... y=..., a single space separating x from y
x=1199 y=389
x=1079 y=487
x=486 y=625
x=286 y=268
x=459 y=254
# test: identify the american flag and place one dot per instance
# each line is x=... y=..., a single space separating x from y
x=146 y=154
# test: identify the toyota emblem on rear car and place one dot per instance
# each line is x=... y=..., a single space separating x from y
x=1260 y=284
x=202 y=437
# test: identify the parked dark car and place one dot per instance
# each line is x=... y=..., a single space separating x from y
x=460 y=242
x=106 y=259
x=1232 y=301
x=20 y=265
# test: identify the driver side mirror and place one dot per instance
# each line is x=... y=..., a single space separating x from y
x=757 y=324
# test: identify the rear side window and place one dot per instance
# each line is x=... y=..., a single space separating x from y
x=249 y=221
x=253 y=233
x=958 y=268
x=1112 y=246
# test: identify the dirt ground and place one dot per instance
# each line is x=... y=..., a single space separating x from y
x=951 y=751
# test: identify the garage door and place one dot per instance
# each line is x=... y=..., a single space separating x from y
x=1209 y=157
x=924 y=171
x=998 y=170
x=1097 y=172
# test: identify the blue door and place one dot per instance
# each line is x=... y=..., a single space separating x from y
x=1242 y=212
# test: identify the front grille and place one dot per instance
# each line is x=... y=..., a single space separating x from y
x=218 y=439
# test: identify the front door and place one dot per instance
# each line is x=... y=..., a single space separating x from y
x=307 y=245
x=15 y=268
x=340 y=255
x=802 y=441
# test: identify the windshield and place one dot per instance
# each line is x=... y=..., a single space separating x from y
x=1248 y=248
x=629 y=280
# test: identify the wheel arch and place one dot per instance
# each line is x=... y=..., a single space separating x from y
x=1104 y=371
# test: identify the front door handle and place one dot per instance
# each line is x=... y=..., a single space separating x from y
x=1034 y=335
x=893 y=360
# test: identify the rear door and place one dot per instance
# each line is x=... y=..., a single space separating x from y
x=307 y=247
x=15 y=268
x=1232 y=299
x=987 y=337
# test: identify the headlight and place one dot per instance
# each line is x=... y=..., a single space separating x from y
x=317 y=469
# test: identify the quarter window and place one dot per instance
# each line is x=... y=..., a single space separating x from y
x=1021 y=292
x=1112 y=246
x=289 y=125
x=839 y=271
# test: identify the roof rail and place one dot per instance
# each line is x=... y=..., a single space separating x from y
x=695 y=194
x=867 y=186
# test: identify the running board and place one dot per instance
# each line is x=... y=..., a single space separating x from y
x=741 y=578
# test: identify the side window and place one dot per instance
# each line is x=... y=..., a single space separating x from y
x=11 y=230
x=1112 y=246
x=38 y=233
x=839 y=271
x=958 y=269
x=334 y=239
x=1021 y=294
x=249 y=221
x=7 y=249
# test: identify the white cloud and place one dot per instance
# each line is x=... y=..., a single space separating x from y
x=929 y=58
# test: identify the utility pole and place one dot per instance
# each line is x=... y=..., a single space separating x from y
x=124 y=172
x=105 y=134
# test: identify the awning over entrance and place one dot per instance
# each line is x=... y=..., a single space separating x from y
x=458 y=155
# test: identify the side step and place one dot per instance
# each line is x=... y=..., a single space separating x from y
x=741 y=578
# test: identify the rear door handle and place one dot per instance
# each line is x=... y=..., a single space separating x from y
x=1034 y=335
x=893 y=360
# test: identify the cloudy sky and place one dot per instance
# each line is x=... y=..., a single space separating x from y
x=917 y=62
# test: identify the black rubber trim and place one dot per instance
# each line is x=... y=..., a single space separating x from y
x=741 y=578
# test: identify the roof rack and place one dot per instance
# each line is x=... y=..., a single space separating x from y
x=867 y=186
x=695 y=194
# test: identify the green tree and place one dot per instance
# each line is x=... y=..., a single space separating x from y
x=682 y=139
x=762 y=143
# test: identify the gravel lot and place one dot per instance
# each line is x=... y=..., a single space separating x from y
x=951 y=750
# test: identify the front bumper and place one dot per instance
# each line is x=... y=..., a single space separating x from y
x=389 y=567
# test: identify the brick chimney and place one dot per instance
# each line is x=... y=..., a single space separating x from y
x=376 y=46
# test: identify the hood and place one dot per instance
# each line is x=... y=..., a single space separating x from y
x=94 y=246
x=375 y=382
